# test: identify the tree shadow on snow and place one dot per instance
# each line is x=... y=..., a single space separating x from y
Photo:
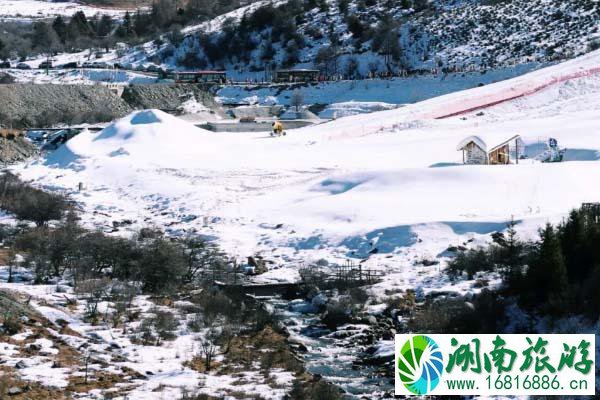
x=444 y=165
x=388 y=240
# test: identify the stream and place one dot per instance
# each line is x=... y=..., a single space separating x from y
x=331 y=354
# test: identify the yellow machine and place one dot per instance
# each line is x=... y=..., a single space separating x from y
x=277 y=129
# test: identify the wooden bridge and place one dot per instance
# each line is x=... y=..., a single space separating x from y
x=261 y=290
x=345 y=276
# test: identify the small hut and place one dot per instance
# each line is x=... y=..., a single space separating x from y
x=496 y=150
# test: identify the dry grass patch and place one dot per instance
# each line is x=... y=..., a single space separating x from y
x=267 y=347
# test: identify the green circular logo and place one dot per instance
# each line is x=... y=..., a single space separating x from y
x=420 y=364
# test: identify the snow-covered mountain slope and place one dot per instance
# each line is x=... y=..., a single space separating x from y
x=443 y=35
x=392 y=177
x=216 y=24
x=25 y=10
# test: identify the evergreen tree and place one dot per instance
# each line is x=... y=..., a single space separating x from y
x=547 y=275
x=44 y=38
x=579 y=237
x=355 y=26
x=163 y=12
x=79 y=25
x=60 y=27
x=105 y=26
x=142 y=24
x=386 y=40
x=126 y=28
x=511 y=256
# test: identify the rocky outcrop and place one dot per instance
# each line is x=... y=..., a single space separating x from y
x=39 y=106
x=27 y=105
x=15 y=150
x=166 y=97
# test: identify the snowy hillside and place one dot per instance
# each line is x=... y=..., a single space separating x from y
x=24 y=10
x=390 y=179
x=353 y=37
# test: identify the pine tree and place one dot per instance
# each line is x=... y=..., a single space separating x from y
x=126 y=28
x=547 y=275
x=79 y=25
x=105 y=26
x=44 y=38
x=60 y=27
x=513 y=256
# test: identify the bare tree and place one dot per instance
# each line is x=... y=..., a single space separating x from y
x=94 y=291
x=297 y=100
x=208 y=349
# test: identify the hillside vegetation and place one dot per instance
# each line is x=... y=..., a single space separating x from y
x=340 y=37
x=358 y=37
x=118 y=3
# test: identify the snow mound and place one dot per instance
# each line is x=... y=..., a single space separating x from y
x=142 y=137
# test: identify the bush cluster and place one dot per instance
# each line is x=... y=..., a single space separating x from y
x=29 y=203
x=558 y=274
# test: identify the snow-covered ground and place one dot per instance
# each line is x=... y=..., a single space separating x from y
x=160 y=371
x=391 y=179
x=393 y=91
x=80 y=76
x=24 y=10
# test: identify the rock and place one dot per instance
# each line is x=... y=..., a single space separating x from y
x=303 y=307
x=13 y=391
x=20 y=365
x=319 y=301
x=15 y=150
x=34 y=347
x=6 y=79
x=252 y=262
x=166 y=96
x=314 y=331
x=371 y=320
x=299 y=347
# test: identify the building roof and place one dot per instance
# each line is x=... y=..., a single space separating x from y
x=475 y=139
x=199 y=72
x=298 y=70
x=489 y=143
